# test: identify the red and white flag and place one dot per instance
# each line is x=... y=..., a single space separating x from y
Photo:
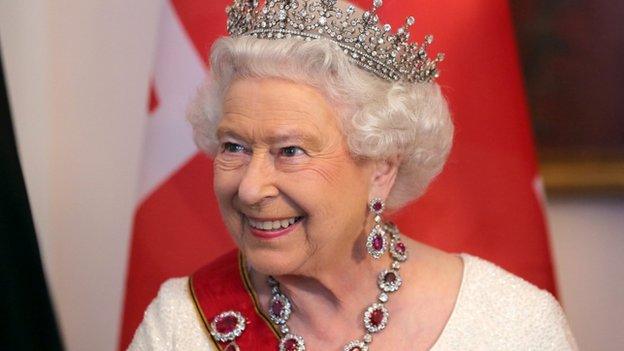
x=487 y=202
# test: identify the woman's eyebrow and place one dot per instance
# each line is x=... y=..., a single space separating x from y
x=279 y=137
x=297 y=136
x=227 y=132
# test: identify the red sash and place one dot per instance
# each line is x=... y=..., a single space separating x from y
x=223 y=285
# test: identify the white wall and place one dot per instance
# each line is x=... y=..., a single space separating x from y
x=78 y=74
x=588 y=246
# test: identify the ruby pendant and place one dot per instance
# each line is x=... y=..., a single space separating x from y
x=389 y=280
x=376 y=205
x=279 y=309
x=291 y=342
x=376 y=242
x=375 y=318
x=398 y=250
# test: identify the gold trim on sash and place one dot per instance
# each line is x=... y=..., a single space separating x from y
x=201 y=314
x=252 y=294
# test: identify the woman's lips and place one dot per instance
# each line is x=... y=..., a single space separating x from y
x=272 y=234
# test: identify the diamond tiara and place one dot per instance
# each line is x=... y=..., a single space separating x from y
x=369 y=44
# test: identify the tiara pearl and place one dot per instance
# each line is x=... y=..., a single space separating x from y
x=369 y=44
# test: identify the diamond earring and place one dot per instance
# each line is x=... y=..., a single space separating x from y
x=376 y=242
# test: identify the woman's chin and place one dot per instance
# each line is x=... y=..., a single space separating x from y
x=272 y=262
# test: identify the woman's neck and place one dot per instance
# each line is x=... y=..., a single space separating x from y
x=337 y=291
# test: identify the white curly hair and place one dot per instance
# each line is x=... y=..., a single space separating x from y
x=380 y=119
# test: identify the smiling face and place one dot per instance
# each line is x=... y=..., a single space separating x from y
x=290 y=193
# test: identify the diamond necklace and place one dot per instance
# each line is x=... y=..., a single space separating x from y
x=375 y=316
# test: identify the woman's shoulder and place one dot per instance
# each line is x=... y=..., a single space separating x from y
x=171 y=321
x=497 y=288
x=173 y=296
x=173 y=293
x=497 y=308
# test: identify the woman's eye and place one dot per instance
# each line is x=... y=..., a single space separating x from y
x=291 y=151
x=232 y=147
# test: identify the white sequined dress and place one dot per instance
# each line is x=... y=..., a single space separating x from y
x=495 y=310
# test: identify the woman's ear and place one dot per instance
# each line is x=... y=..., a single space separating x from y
x=383 y=177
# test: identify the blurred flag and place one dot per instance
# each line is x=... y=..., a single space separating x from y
x=27 y=320
x=487 y=202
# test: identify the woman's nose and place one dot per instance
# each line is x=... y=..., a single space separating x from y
x=257 y=183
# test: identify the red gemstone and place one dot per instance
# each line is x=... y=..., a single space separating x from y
x=400 y=248
x=276 y=308
x=226 y=324
x=290 y=345
x=378 y=242
x=357 y=348
x=376 y=317
x=377 y=206
x=390 y=277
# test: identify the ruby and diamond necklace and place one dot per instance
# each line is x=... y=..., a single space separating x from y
x=375 y=317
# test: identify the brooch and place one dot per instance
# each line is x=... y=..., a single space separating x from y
x=226 y=327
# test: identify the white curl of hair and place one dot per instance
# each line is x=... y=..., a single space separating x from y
x=380 y=119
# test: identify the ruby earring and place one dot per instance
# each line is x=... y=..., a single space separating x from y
x=377 y=242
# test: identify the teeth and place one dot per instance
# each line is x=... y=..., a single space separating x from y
x=272 y=225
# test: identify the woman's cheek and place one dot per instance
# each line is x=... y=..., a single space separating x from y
x=323 y=172
x=226 y=179
x=228 y=163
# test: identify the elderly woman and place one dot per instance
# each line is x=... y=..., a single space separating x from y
x=320 y=120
